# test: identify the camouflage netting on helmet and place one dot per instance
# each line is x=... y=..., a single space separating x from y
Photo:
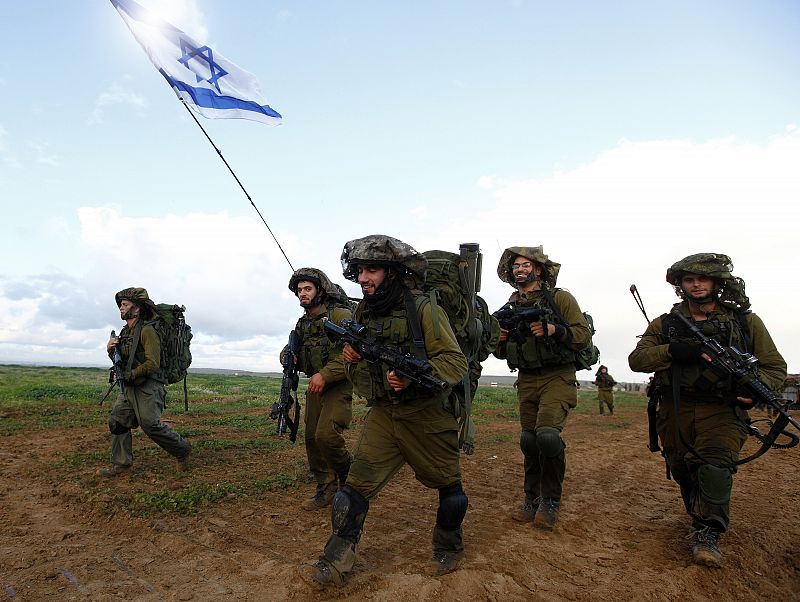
x=382 y=250
x=714 y=265
x=138 y=296
x=536 y=254
x=317 y=277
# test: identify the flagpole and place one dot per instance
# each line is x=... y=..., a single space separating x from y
x=219 y=152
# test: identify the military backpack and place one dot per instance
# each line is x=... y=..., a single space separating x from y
x=454 y=279
x=175 y=336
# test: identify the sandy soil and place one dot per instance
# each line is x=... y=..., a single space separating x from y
x=621 y=532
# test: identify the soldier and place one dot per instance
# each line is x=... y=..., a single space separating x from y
x=143 y=400
x=605 y=389
x=546 y=387
x=701 y=426
x=329 y=395
x=406 y=423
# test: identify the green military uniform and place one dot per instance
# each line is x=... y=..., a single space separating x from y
x=412 y=426
x=328 y=413
x=709 y=421
x=701 y=425
x=546 y=389
x=144 y=398
x=605 y=390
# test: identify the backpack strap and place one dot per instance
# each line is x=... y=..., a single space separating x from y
x=557 y=311
x=414 y=324
x=137 y=333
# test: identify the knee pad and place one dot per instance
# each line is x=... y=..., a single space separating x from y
x=348 y=511
x=116 y=428
x=549 y=441
x=453 y=504
x=715 y=484
x=527 y=443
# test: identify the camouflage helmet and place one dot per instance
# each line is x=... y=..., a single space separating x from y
x=138 y=296
x=318 y=277
x=731 y=290
x=536 y=254
x=382 y=250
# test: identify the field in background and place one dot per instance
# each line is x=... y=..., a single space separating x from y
x=232 y=526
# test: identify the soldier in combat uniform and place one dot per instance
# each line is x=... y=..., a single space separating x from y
x=546 y=387
x=143 y=400
x=406 y=423
x=329 y=396
x=605 y=390
x=708 y=414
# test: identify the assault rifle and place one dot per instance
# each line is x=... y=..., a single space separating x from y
x=416 y=370
x=117 y=371
x=516 y=319
x=280 y=409
x=741 y=366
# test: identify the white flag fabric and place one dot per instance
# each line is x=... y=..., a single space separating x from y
x=206 y=81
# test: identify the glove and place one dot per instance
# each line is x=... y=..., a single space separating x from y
x=685 y=353
x=127 y=376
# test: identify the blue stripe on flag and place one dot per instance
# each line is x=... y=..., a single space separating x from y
x=203 y=97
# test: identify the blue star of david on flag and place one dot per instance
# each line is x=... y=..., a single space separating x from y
x=205 y=80
x=206 y=54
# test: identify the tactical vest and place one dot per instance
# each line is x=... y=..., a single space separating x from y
x=730 y=330
x=126 y=342
x=392 y=330
x=316 y=346
x=532 y=353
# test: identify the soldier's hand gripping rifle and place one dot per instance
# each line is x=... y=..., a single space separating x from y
x=117 y=371
x=288 y=394
x=416 y=370
x=517 y=320
x=741 y=366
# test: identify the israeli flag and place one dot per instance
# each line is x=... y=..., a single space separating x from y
x=206 y=81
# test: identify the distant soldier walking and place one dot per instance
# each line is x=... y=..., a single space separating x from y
x=605 y=389
x=142 y=402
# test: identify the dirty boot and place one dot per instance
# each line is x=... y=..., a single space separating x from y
x=321 y=499
x=182 y=463
x=336 y=561
x=526 y=511
x=321 y=574
x=448 y=550
x=705 y=547
x=113 y=470
x=547 y=513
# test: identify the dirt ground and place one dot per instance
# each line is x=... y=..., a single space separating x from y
x=621 y=532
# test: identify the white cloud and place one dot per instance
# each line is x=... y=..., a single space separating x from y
x=115 y=95
x=639 y=207
x=620 y=219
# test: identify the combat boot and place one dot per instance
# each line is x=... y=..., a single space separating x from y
x=182 y=463
x=321 y=499
x=547 y=513
x=448 y=550
x=337 y=560
x=705 y=547
x=113 y=470
x=526 y=511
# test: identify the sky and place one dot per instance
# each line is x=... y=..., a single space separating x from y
x=621 y=136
